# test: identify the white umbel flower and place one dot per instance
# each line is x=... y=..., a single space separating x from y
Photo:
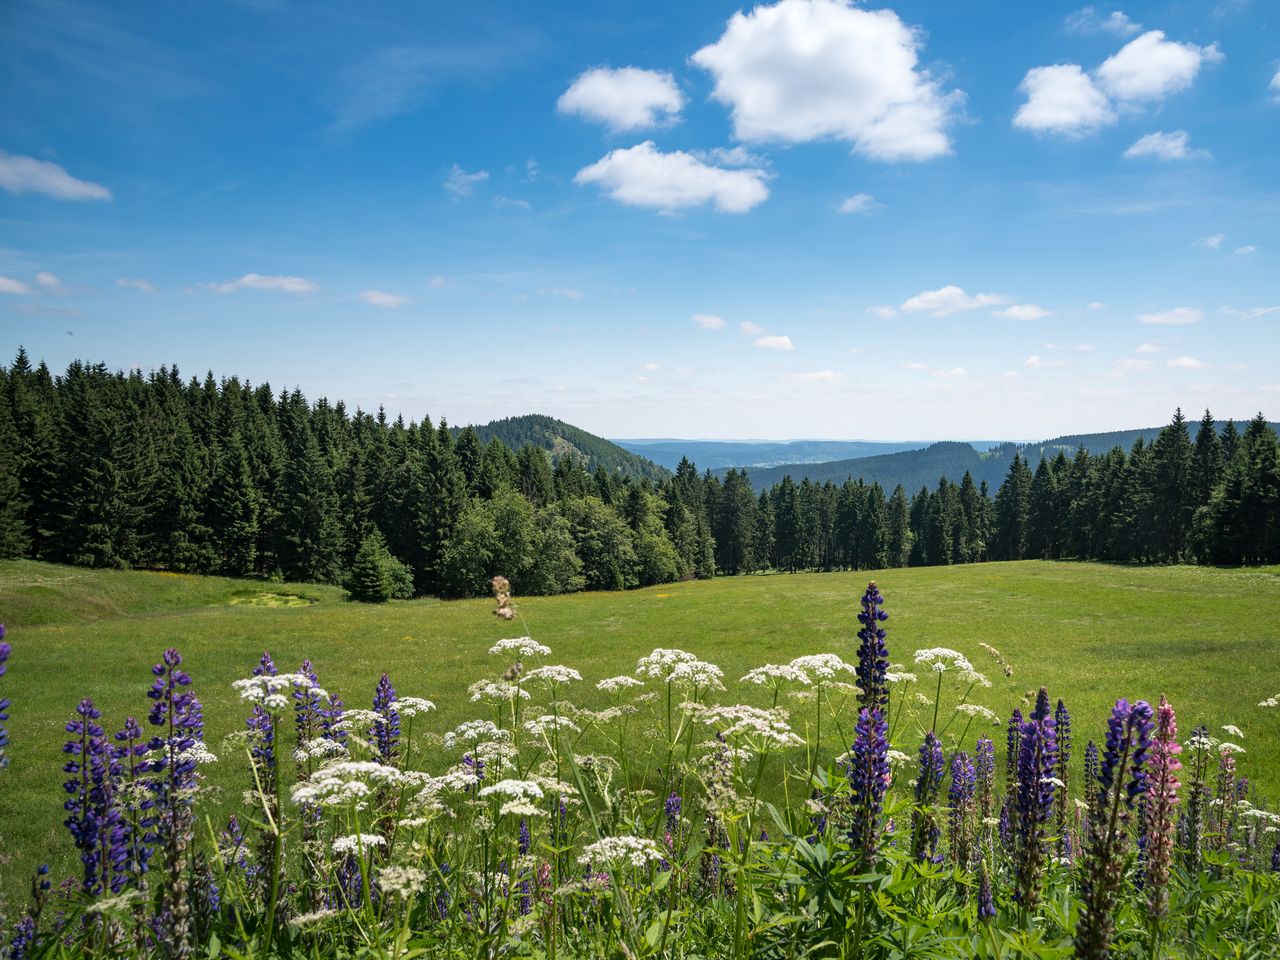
x=524 y=647
x=621 y=852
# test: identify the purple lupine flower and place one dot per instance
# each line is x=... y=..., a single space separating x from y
x=524 y=841
x=180 y=717
x=94 y=817
x=24 y=938
x=266 y=666
x=262 y=742
x=5 y=650
x=868 y=774
x=386 y=729
x=1275 y=858
x=960 y=806
x=1005 y=827
x=1121 y=781
x=1062 y=731
x=873 y=655
x=985 y=772
x=233 y=849
x=986 y=899
x=1090 y=763
x=672 y=809
x=307 y=706
x=1033 y=800
x=924 y=823
x=129 y=751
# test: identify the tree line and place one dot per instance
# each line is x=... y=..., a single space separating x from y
x=115 y=469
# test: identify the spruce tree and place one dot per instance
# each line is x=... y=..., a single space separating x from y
x=370 y=578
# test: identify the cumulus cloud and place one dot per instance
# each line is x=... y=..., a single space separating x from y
x=1037 y=362
x=1178 y=316
x=1164 y=146
x=883 y=312
x=709 y=321
x=625 y=99
x=1024 y=311
x=858 y=203
x=1151 y=67
x=21 y=175
x=751 y=329
x=463 y=184
x=1186 y=363
x=1146 y=348
x=138 y=283
x=381 y=298
x=9 y=285
x=256 y=281
x=775 y=343
x=819 y=376
x=1211 y=242
x=945 y=301
x=644 y=176
x=803 y=70
x=1063 y=99
x=48 y=280
x=1091 y=20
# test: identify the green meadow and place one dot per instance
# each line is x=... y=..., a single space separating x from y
x=1206 y=637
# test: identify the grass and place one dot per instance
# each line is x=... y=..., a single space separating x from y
x=1090 y=632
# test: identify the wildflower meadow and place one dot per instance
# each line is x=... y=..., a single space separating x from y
x=880 y=806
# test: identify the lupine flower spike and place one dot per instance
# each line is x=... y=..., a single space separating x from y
x=1122 y=779
x=1033 y=800
x=924 y=822
x=873 y=655
x=868 y=783
x=5 y=650
x=1162 y=800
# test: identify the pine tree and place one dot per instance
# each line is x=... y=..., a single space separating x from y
x=1208 y=461
x=1013 y=512
x=370 y=578
x=1172 y=494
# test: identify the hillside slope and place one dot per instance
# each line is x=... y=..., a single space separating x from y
x=717 y=454
x=922 y=468
x=562 y=439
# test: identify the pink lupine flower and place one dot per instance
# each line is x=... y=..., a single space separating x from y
x=1163 y=783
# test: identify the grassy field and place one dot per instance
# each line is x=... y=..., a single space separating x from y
x=1090 y=632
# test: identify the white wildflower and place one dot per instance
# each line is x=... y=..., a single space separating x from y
x=473 y=731
x=773 y=674
x=520 y=647
x=621 y=851
x=553 y=674
x=942 y=659
x=402 y=882
x=616 y=684
x=311 y=919
x=358 y=843
x=896 y=674
x=345 y=781
x=318 y=748
x=1228 y=747
x=1235 y=731
x=757 y=727
x=271 y=691
x=820 y=667
x=521 y=808
x=699 y=673
x=898 y=758
x=409 y=707
x=659 y=663
x=977 y=710
x=550 y=725
x=516 y=789
x=496 y=691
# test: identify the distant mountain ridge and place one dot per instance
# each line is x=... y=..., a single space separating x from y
x=718 y=454
x=562 y=439
x=923 y=467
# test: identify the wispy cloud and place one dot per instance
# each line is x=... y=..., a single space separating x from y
x=9 y=285
x=138 y=283
x=945 y=301
x=1178 y=316
x=1186 y=363
x=463 y=184
x=751 y=329
x=257 y=281
x=21 y=175
x=709 y=321
x=775 y=342
x=1164 y=146
x=1023 y=311
x=381 y=298
x=859 y=203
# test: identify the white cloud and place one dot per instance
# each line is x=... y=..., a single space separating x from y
x=1024 y=311
x=1089 y=20
x=1164 y=146
x=567 y=293
x=625 y=99
x=1097 y=305
x=1274 y=87
x=916 y=365
x=506 y=202
x=1040 y=363
x=381 y=298
x=709 y=321
x=139 y=283
x=9 y=285
x=1147 y=348
x=1065 y=100
x=945 y=301
x=1062 y=99
x=953 y=372
x=463 y=184
x=48 y=280
x=436 y=282
x=1186 y=363
x=883 y=312
x=645 y=176
x=858 y=203
x=819 y=376
x=1251 y=314
x=652 y=367
x=803 y=70
x=775 y=343
x=1133 y=363
x=256 y=281
x=1211 y=242
x=1178 y=316
x=28 y=175
x=751 y=329
x=1151 y=68
x=1240 y=251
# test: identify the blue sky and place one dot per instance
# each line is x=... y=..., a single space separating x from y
x=803 y=219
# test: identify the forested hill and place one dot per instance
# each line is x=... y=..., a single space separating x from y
x=758 y=454
x=561 y=439
x=922 y=468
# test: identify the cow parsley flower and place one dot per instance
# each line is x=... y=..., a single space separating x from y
x=621 y=851
x=496 y=691
x=617 y=684
x=822 y=667
x=523 y=647
x=474 y=731
x=775 y=675
x=410 y=707
x=516 y=789
x=553 y=674
x=357 y=843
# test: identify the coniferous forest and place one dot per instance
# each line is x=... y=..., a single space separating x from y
x=104 y=468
